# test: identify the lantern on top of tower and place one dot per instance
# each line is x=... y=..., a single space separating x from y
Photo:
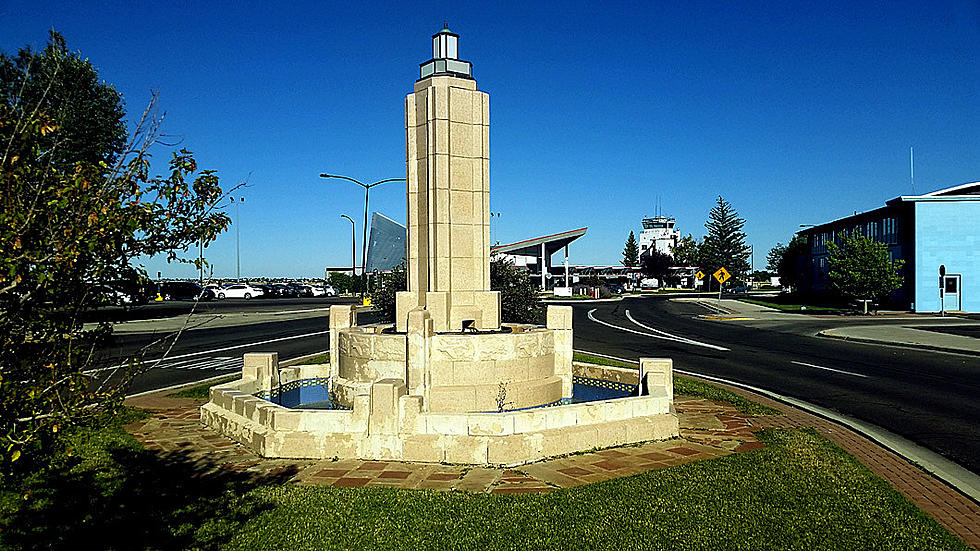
x=445 y=57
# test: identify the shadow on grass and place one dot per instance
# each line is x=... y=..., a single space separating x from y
x=121 y=496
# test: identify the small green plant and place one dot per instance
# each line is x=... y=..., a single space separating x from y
x=501 y=396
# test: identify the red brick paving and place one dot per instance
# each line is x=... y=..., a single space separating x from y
x=352 y=482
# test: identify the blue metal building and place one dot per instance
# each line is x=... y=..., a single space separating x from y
x=927 y=231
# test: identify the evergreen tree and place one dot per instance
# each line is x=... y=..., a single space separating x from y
x=657 y=265
x=687 y=252
x=631 y=253
x=724 y=245
x=787 y=261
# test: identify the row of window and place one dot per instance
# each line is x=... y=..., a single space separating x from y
x=884 y=230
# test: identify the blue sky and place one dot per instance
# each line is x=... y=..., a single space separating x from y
x=797 y=113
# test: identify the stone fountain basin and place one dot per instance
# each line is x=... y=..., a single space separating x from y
x=389 y=424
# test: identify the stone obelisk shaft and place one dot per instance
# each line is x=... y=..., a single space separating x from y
x=448 y=163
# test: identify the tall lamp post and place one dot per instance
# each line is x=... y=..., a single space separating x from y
x=367 y=188
x=238 y=238
x=353 y=247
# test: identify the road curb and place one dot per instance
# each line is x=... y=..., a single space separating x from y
x=865 y=340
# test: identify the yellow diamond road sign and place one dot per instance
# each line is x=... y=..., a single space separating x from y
x=722 y=275
x=699 y=275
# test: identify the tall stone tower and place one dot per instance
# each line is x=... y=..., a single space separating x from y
x=447 y=136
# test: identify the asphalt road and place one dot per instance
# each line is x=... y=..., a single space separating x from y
x=170 y=359
x=930 y=398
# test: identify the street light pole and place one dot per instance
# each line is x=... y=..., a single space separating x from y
x=238 y=238
x=367 y=188
x=353 y=247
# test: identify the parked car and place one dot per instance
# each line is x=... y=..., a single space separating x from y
x=239 y=290
x=268 y=291
x=323 y=291
x=615 y=288
x=283 y=290
x=184 y=290
x=301 y=290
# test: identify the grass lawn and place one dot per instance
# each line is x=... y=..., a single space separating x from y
x=690 y=387
x=799 y=492
x=792 y=307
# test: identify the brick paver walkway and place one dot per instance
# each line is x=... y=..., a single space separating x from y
x=708 y=429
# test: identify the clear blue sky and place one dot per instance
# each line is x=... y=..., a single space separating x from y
x=795 y=112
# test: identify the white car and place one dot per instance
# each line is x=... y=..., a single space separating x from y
x=324 y=291
x=239 y=290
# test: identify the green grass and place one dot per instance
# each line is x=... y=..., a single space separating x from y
x=323 y=358
x=201 y=392
x=791 y=307
x=800 y=492
x=690 y=387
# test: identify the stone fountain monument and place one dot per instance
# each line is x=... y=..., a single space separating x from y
x=448 y=381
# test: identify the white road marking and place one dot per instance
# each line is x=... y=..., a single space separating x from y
x=671 y=338
x=682 y=339
x=213 y=351
x=829 y=369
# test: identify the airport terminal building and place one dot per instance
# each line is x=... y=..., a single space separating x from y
x=941 y=228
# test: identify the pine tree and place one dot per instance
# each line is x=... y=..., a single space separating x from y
x=631 y=253
x=724 y=245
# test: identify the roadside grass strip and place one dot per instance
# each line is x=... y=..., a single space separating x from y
x=688 y=386
x=789 y=307
x=202 y=391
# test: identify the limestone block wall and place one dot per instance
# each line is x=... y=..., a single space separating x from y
x=389 y=423
x=469 y=373
x=447 y=138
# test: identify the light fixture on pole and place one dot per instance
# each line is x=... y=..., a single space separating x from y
x=367 y=188
x=238 y=238
x=353 y=247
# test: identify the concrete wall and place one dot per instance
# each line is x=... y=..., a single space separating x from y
x=946 y=232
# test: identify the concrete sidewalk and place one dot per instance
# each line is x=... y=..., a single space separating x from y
x=906 y=335
x=913 y=334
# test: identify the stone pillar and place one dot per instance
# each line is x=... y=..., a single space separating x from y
x=342 y=316
x=261 y=367
x=385 y=395
x=420 y=331
x=448 y=195
x=659 y=374
x=560 y=321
